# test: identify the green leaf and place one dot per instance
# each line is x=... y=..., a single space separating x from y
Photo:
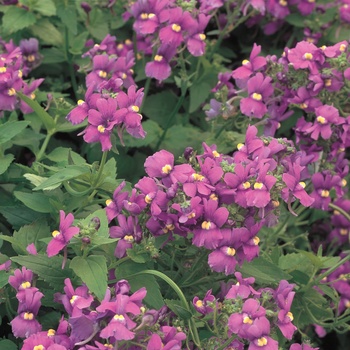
x=77 y=43
x=68 y=16
x=46 y=8
x=93 y=272
x=295 y=19
x=178 y=309
x=103 y=231
x=68 y=173
x=4 y=276
x=29 y=138
x=60 y=155
x=5 y=162
x=11 y=129
x=6 y=344
x=98 y=26
x=36 y=201
x=263 y=271
x=52 y=55
x=138 y=257
x=47 y=32
x=49 y=269
x=16 y=18
x=41 y=113
x=159 y=106
x=296 y=261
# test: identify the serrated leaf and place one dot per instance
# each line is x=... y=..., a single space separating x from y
x=263 y=271
x=296 y=261
x=5 y=162
x=19 y=215
x=49 y=269
x=36 y=201
x=17 y=18
x=138 y=257
x=4 y=276
x=46 y=8
x=93 y=272
x=103 y=231
x=98 y=26
x=68 y=173
x=47 y=32
x=178 y=309
x=11 y=129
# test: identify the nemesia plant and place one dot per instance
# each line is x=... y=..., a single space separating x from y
x=227 y=223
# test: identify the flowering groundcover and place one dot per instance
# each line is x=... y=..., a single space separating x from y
x=173 y=174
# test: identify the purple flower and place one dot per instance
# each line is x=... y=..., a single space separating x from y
x=22 y=279
x=63 y=235
x=102 y=122
x=259 y=89
x=301 y=347
x=195 y=40
x=250 y=66
x=103 y=67
x=242 y=288
x=160 y=68
x=115 y=206
x=258 y=334
x=25 y=323
x=30 y=54
x=37 y=341
x=201 y=305
x=170 y=339
x=128 y=231
x=28 y=90
x=210 y=233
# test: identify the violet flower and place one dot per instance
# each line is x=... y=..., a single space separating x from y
x=201 y=305
x=63 y=235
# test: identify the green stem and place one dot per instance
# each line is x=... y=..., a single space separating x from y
x=178 y=291
x=145 y=93
x=172 y=115
x=341 y=211
x=44 y=146
x=70 y=66
x=227 y=342
x=329 y=271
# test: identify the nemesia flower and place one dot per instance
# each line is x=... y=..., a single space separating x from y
x=259 y=336
x=37 y=341
x=170 y=339
x=195 y=40
x=103 y=67
x=30 y=54
x=202 y=305
x=63 y=235
x=114 y=206
x=301 y=347
x=259 y=89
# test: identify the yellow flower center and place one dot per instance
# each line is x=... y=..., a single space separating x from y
x=3 y=69
x=308 y=56
x=275 y=204
x=244 y=62
x=73 y=299
x=206 y=225
x=32 y=96
x=336 y=212
x=176 y=28
x=246 y=185
x=144 y=16
x=248 y=320
x=119 y=317
x=129 y=238
x=347 y=304
x=108 y=202
x=166 y=169
x=240 y=145
x=39 y=347
x=55 y=233
x=303 y=105
x=256 y=240
x=328 y=82
x=11 y=92
x=214 y=197
x=202 y=36
x=342 y=47
x=148 y=199
x=262 y=341
x=101 y=129
x=51 y=332
x=120 y=46
x=283 y=2
x=325 y=193
x=198 y=177
x=102 y=74
x=216 y=154
x=135 y=108
x=258 y=185
x=28 y=316
x=170 y=227
x=230 y=251
x=290 y=316
x=151 y=15
x=302 y=184
x=199 y=303
x=31 y=58
x=26 y=285
x=321 y=119
x=256 y=96
x=158 y=58
x=80 y=102
x=343 y=231
x=343 y=182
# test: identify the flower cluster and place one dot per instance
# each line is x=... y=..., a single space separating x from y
x=220 y=202
x=16 y=62
x=106 y=106
x=167 y=27
x=91 y=325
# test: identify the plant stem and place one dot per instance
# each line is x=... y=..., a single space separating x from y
x=43 y=146
x=341 y=210
x=70 y=66
x=145 y=93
